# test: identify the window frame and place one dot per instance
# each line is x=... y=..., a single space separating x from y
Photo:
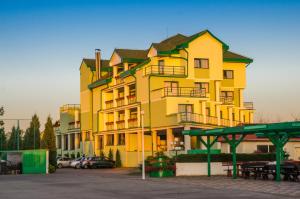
x=200 y=65
x=201 y=86
x=119 y=139
x=225 y=74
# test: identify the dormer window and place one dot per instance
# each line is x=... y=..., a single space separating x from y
x=201 y=63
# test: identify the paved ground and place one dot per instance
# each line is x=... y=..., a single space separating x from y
x=121 y=183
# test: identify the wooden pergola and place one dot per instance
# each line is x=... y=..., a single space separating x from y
x=278 y=133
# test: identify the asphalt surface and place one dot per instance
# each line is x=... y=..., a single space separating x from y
x=126 y=183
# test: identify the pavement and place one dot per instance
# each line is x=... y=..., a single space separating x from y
x=127 y=183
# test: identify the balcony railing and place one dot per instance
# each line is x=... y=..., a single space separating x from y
x=120 y=101
x=119 y=80
x=184 y=92
x=165 y=70
x=121 y=124
x=187 y=117
x=248 y=105
x=109 y=126
x=132 y=123
x=224 y=122
x=226 y=100
x=211 y=120
x=109 y=104
x=131 y=99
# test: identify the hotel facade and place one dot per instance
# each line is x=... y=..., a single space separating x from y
x=180 y=83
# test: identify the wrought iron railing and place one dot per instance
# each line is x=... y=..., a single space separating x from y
x=226 y=100
x=109 y=104
x=109 y=126
x=131 y=99
x=248 y=105
x=121 y=124
x=165 y=70
x=184 y=92
x=120 y=101
x=190 y=117
x=132 y=123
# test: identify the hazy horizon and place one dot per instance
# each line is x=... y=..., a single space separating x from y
x=43 y=42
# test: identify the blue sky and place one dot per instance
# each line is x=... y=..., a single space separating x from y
x=42 y=43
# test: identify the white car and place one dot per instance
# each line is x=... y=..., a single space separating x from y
x=76 y=163
x=63 y=162
x=85 y=162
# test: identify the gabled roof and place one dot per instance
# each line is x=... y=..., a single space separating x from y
x=91 y=64
x=131 y=55
x=234 y=57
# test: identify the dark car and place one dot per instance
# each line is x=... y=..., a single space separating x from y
x=100 y=162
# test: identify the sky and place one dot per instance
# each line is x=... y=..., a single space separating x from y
x=42 y=43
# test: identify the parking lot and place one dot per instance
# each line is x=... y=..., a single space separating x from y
x=126 y=183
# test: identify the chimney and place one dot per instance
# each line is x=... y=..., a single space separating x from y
x=98 y=63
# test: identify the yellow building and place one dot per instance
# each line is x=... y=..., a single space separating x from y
x=182 y=82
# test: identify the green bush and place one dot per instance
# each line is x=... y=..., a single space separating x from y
x=102 y=155
x=51 y=168
x=73 y=155
x=52 y=158
x=110 y=154
x=226 y=157
x=67 y=155
x=78 y=155
x=118 y=159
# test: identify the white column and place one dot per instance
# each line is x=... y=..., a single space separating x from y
x=187 y=140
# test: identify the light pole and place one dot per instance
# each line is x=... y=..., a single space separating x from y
x=143 y=146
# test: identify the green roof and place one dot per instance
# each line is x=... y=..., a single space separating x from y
x=99 y=82
x=234 y=57
x=91 y=64
x=131 y=55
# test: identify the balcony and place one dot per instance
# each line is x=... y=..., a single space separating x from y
x=109 y=104
x=184 y=92
x=227 y=100
x=131 y=99
x=109 y=126
x=132 y=123
x=186 y=117
x=120 y=101
x=121 y=124
x=119 y=80
x=165 y=70
x=248 y=105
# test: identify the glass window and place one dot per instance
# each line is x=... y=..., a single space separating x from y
x=100 y=144
x=121 y=139
x=171 y=88
x=228 y=74
x=201 y=63
x=202 y=86
x=110 y=140
x=207 y=111
x=262 y=148
x=161 y=64
x=185 y=108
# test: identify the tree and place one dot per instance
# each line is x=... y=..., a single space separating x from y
x=78 y=155
x=15 y=139
x=118 y=159
x=49 y=142
x=32 y=134
x=110 y=154
x=3 y=144
x=102 y=155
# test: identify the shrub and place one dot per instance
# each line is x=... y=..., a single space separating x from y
x=78 y=155
x=102 y=155
x=110 y=154
x=51 y=168
x=52 y=158
x=118 y=159
x=227 y=157
x=73 y=155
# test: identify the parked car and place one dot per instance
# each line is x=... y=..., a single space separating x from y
x=64 y=162
x=76 y=163
x=100 y=162
x=85 y=162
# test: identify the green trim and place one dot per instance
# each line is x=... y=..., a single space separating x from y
x=132 y=60
x=174 y=51
x=107 y=69
x=238 y=60
x=186 y=44
x=99 y=82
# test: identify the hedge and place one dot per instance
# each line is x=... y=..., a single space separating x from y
x=225 y=157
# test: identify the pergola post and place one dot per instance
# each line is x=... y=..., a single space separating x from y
x=208 y=156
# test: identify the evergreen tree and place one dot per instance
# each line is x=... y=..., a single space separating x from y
x=49 y=142
x=15 y=139
x=102 y=155
x=78 y=155
x=118 y=159
x=32 y=134
x=110 y=154
x=3 y=144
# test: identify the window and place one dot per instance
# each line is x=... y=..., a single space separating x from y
x=171 y=88
x=233 y=116
x=100 y=142
x=201 y=63
x=202 y=86
x=110 y=140
x=221 y=114
x=133 y=113
x=266 y=148
x=121 y=139
x=227 y=95
x=207 y=110
x=228 y=74
x=185 y=108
